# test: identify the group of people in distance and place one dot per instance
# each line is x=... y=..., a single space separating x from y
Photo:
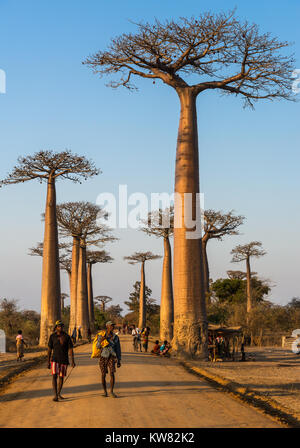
x=161 y=350
x=140 y=338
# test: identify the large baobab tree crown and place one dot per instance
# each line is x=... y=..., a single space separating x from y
x=82 y=220
x=220 y=51
x=45 y=165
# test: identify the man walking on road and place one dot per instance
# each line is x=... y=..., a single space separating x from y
x=109 y=344
x=61 y=345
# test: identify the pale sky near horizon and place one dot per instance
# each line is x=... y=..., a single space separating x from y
x=249 y=160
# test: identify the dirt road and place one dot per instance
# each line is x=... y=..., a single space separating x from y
x=152 y=392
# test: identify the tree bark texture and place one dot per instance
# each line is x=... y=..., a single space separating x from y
x=190 y=321
x=142 y=311
x=82 y=318
x=50 y=297
x=166 y=305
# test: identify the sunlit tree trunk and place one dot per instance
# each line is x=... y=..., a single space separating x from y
x=74 y=281
x=82 y=318
x=249 y=292
x=166 y=305
x=50 y=301
x=70 y=279
x=190 y=321
x=142 y=312
x=205 y=270
x=90 y=296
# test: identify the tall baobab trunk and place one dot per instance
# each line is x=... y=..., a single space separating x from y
x=90 y=296
x=249 y=292
x=70 y=280
x=82 y=317
x=74 y=281
x=142 y=312
x=205 y=270
x=50 y=301
x=190 y=321
x=166 y=305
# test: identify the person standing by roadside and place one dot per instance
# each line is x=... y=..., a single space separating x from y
x=145 y=338
x=20 y=342
x=109 y=344
x=74 y=335
x=61 y=347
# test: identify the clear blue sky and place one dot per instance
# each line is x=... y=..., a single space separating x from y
x=249 y=160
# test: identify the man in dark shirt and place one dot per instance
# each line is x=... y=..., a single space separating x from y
x=61 y=346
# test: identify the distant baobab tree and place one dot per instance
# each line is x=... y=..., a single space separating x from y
x=93 y=257
x=239 y=275
x=217 y=225
x=79 y=220
x=49 y=166
x=142 y=257
x=71 y=220
x=245 y=253
x=103 y=300
x=160 y=223
x=63 y=297
x=214 y=52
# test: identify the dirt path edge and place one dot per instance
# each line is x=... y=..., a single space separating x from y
x=14 y=373
x=266 y=404
x=24 y=367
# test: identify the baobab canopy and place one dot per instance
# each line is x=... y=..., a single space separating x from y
x=220 y=51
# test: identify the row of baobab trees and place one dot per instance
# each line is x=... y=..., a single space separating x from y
x=210 y=52
x=216 y=226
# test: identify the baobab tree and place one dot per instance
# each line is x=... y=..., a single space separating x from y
x=94 y=257
x=216 y=52
x=48 y=167
x=142 y=257
x=240 y=275
x=245 y=253
x=217 y=225
x=81 y=220
x=103 y=300
x=63 y=297
x=71 y=218
x=161 y=224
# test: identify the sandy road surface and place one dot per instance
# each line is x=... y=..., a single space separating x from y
x=152 y=392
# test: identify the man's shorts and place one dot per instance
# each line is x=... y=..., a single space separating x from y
x=105 y=363
x=59 y=369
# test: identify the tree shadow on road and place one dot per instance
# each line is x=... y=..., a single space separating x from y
x=153 y=388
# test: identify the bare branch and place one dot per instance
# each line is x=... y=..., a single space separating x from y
x=222 y=51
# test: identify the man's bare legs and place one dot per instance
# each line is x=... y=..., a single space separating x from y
x=60 y=385
x=54 y=385
x=112 y=385
x=104 y=384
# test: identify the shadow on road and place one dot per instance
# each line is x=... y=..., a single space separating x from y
x=153 y=387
